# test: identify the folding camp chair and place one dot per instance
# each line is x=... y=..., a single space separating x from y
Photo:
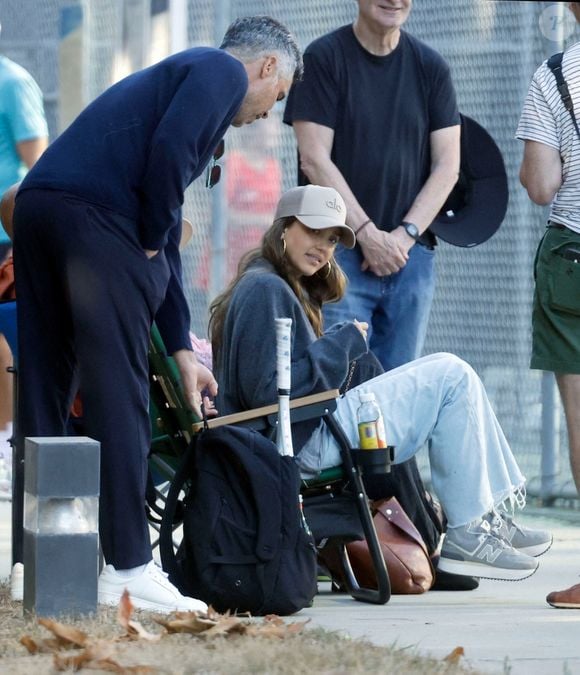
x=325 y=498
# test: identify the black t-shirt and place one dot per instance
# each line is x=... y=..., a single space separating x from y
x=382 y=110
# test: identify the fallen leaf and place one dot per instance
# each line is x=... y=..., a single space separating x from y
x=215 y=615
x=296 y=627
x=186 y=624
x=276 y=629
x=35 y=646
x=30 y=644
x=125 y=610
x=259 y=631
x=79 y=662
x=226 y=625
x=274 y=619
x=66 y=635
x=97 y=652
x=455 y=655
x=40 y=646
x=97 y=656
x=133 y=629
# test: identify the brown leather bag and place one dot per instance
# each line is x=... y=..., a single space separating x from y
x=405 y=553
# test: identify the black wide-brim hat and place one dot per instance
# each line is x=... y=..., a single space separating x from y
x=478 y=203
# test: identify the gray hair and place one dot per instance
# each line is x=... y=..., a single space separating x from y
x=252 y=37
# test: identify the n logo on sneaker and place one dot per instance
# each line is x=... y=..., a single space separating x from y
x=489 y=553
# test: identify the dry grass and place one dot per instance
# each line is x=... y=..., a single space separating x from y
x=311 y=651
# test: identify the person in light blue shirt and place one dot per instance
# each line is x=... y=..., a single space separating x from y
x=23 y=128
x=23 y=138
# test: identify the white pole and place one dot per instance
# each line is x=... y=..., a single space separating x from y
x=178 y=25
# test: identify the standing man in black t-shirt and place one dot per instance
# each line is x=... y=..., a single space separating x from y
x=376 y=118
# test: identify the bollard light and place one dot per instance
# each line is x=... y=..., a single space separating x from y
x=61 y=515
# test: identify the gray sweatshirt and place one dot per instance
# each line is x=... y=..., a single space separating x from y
x=246 y=370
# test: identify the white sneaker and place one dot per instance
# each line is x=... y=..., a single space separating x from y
x=17 y=582
x=151 y=589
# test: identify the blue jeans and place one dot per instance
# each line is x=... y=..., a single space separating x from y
x=396 y=307
x=438 y=400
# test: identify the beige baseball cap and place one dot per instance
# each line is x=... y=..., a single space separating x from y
x=318 y=208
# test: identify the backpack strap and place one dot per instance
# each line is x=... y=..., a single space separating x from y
x=555 y=65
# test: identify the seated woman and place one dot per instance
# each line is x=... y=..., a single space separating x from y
x=438 y=399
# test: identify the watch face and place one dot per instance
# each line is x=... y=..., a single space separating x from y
x=412 y=230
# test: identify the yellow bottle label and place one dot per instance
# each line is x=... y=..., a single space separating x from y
x=371 y=435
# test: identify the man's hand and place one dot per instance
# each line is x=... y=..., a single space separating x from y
x=150 y=254
x=194 y=379
x=384 y=252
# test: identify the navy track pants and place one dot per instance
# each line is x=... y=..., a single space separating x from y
x=87 y=295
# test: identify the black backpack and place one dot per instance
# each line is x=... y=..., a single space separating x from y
x=246 y=545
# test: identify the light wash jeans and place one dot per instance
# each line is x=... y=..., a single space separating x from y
x=438 y=400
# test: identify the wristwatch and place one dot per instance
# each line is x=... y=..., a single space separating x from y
x=412 y=230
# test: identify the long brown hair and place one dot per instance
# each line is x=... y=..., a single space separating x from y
x=327 y=285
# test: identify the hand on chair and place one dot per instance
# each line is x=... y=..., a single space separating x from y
x=195 y=378
x=209 y=407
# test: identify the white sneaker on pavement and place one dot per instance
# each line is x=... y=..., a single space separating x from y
x=17 y=582
x=150 y=589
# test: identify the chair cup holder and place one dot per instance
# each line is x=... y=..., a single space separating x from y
x=374 y=462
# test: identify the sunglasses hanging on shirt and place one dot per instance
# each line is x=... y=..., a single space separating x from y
x=214 y=170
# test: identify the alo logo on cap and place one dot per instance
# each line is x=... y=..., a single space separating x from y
x=334 y=205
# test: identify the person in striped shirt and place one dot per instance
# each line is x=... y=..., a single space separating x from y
x=550 y=172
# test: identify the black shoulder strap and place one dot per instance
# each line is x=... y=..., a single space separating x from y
x=555 y=65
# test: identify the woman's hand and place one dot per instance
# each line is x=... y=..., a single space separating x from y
x=362 y=326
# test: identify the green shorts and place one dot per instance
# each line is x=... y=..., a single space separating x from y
x=556 y=312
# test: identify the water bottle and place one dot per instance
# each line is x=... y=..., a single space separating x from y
x=371 y=427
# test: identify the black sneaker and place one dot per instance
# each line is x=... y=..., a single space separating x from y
x=445 y=581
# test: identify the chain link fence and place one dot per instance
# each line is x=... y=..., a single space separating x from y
x=482 y=305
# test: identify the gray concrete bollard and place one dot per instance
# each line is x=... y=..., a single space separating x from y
x=61 y=515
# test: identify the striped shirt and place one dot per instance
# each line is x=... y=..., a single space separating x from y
x=545 y=119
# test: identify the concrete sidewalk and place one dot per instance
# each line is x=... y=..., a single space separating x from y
x=504 y=627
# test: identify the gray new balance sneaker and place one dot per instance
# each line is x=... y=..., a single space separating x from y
x=475 y=550
x=524 y=539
